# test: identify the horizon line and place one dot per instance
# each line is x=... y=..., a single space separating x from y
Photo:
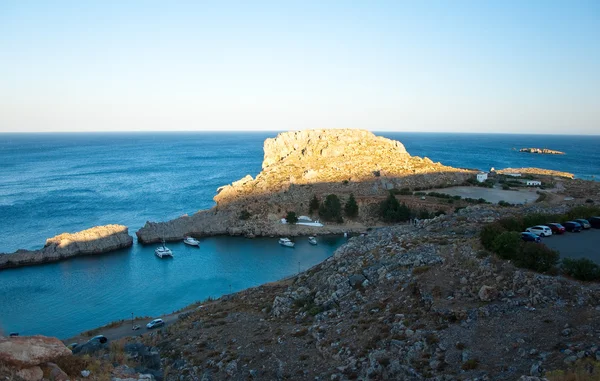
x=281 y=131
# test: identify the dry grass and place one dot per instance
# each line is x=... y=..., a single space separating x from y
x=587 y=370
x=73 y=365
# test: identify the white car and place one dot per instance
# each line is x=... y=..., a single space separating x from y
x=541 y=230
x=155 y=323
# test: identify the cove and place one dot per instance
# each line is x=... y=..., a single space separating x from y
x=65 y=298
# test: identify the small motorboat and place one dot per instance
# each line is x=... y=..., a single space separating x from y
x=312 y=240
x=286 y=242
x=163 y=251
x=191 y=241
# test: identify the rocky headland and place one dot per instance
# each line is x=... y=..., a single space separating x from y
x=96 y=240
x=299 y=165
x=544 y=151
x=537 y=172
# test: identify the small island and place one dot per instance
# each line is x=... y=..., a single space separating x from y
x=96 y=240
x=545 y=151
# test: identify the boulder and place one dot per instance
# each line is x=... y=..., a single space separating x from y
x=33 y=373
x=28 y=351
x=56 y=374
x=487 y=293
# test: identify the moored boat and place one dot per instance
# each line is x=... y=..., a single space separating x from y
x=286 y=242
x=163 y=251
x=312 y=240
x=191 y=241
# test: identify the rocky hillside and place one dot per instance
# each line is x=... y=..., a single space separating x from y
x=400 y=302
x=298 y=165
x=96 y=240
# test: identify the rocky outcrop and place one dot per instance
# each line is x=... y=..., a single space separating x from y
x=537 y=171
x=545 y=151
x=25 y=355
x=97 y=240
x=298 y=165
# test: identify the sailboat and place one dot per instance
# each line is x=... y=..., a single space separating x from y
x=163 y=251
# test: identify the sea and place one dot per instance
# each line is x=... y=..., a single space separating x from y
x=67 y=182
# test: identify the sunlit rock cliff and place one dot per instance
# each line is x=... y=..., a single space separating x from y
x=96 y=240
x=298 y=165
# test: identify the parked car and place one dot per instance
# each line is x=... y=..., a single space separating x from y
x=572 y=226
x=155 y=323
x=595 y=222
x=584 y=223
x=541 y=230
x=100 y=338
x=530 y=237
x=13 y=334
x=556 y=228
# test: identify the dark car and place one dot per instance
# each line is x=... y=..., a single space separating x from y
x=585 y=224
x=572 y=226
x=530 y=237
x=595 y=222
x=100 y=338
x=556 y=228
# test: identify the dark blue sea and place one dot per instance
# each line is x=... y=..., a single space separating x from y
x=55 y=183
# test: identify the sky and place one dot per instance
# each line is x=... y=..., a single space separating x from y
x=434 y=66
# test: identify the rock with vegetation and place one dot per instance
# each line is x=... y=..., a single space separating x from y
x=97 y=240
x=545 y=151
x=300 y=169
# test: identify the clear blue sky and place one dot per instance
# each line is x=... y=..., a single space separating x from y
x=467 y=66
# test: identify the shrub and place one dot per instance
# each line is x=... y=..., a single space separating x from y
x=581 y=269
x=351 y=207
x=405 y=192
x=244 y=215
x=291 y=217
x=331 y=209
x=514 y=224
x=504 y=203
x=489 y=233
x=536 y=256
x=313 y=204
x=390 y=210
x=507 y=245
x=505 y=187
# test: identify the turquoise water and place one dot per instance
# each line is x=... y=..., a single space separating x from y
x=64 y=298
x=55 y=183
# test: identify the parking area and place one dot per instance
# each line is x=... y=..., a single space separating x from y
x=576 y=245
x=494 y=195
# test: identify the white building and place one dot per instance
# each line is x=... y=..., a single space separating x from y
x=533 y=183
x=481 y=177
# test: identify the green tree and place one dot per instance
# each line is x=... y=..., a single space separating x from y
x=314 y=204
x=507 y=244
x=331 y=209
x=536 y=256
x=351 y=207
x=291 y=217
x=582 y=269
x=489 y=233
x=390 y=210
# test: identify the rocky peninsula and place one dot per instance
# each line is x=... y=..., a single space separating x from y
x=96 y=240
x=302 y=164
x=544 y=151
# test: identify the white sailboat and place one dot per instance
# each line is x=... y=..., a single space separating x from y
x=163 y=251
